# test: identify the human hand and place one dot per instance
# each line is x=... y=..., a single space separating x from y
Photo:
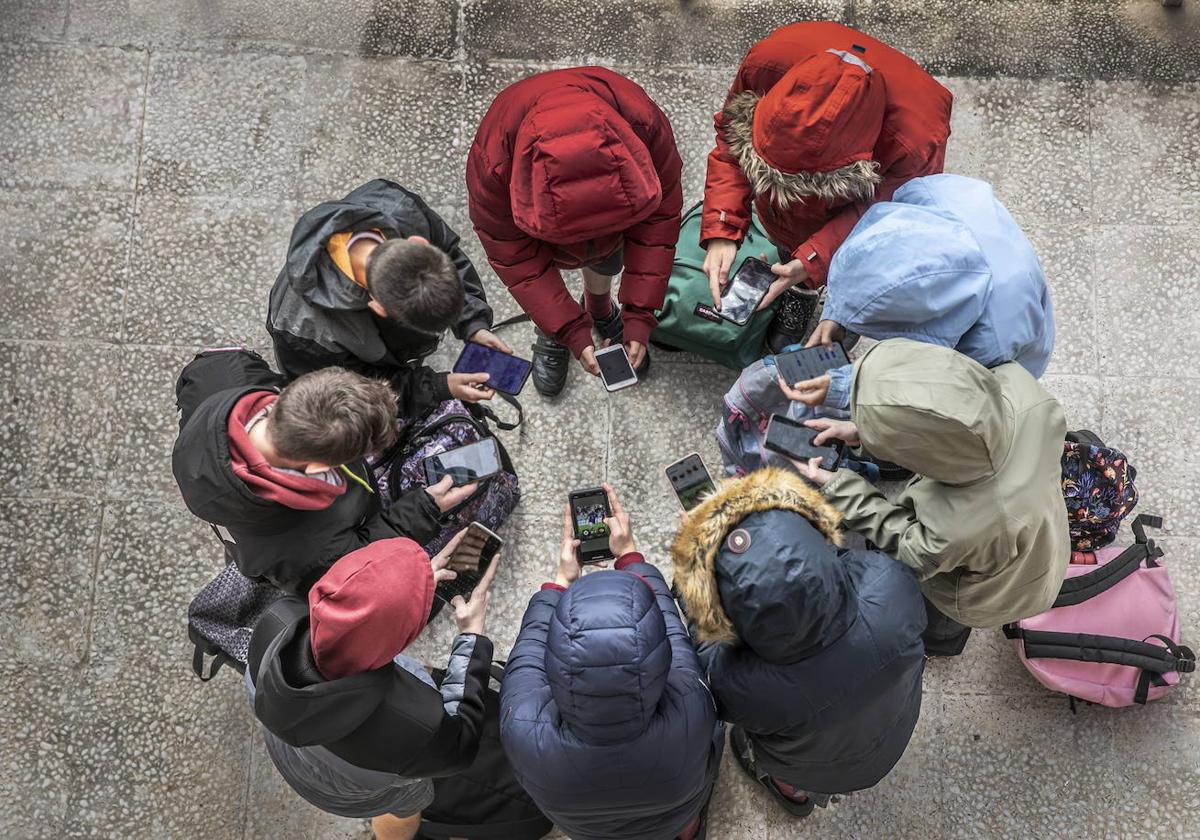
x=568 y=561
x=789 y=274
x=807 y=391
x=446 y=496
x=843 y=430
x=812 y=470
x=469 y=387
x=587 y=360
x=489 y=339
x=636 y=351
x=718 y=259
x=441 y=560
x=469 y=615
x=620 y=534
x=826 y=333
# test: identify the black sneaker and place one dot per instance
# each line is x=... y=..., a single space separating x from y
x=795 y=318
x=743 y=751
x=551 y=363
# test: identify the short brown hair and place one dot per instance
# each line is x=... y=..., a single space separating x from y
x=333 y=416
x=416 y=284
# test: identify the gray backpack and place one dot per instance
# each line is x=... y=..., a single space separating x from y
x=221 y=618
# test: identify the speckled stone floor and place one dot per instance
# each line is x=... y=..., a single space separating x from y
x=153 y=156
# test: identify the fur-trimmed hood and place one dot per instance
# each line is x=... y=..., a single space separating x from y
x=758 y=563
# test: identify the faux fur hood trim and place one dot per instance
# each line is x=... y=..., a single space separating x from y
x=854 y=182
x=703 y=533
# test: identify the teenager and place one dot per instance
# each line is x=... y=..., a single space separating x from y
x=820 y=121
x=279 y=474
x=578 y=169
x=604 y=712
x=371 y=282
x=355 y=727
x=813 y=652
x=983 y=523
x=944 y=263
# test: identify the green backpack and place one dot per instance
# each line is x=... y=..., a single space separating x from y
x=678 y=324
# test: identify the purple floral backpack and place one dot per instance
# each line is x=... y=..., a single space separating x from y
x=448 y=426
x=1098 y=489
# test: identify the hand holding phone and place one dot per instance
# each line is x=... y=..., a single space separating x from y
x=620 y=533
x=506 y=373
x=468 y=556
x=809 y=363
x=750 y=284
x=464 y=464
x=797 y=441
x=589 y=508
x=615 y=369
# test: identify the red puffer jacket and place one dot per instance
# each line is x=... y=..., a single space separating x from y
x=566 y=167
x=830 y=96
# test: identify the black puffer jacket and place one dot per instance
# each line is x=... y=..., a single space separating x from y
x=269 y=541
x=814 y=650
x=318 y=318
x=386 y=719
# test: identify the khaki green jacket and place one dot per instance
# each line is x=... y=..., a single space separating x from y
x=983 y=523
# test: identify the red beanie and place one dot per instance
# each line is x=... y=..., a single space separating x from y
x=825 y=113
x=369 y=606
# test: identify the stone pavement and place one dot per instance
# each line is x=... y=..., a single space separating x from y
x=153 y=156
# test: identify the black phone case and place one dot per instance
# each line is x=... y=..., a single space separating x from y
x=721 y=314
x=430 y=480
x=590 y=491
x=837 y=446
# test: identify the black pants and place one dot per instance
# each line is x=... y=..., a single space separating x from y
x=943 y=635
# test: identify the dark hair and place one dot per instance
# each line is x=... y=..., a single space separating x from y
x=333 y=416
x=416 y=284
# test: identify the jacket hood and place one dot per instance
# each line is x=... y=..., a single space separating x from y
x=369 y=606
x=579 y=170
x=931 y=409
x=758 y=536
x=292 y=699
x=607 y=657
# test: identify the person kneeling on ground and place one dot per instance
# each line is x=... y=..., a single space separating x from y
x=983 y=524
x=813 y=652
x=280 y=474
x=370 y=283
x=944 y=263
x=605 y=716
x=578 y=168
x=354 y=726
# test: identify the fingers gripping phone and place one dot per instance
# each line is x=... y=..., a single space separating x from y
x=615 y=369
x=690 y=480
x=506 y=373
x=810 y=362
x=795 y=440
x=465 y=464
x=589 y=509
x=745 y=291
x=471 y=558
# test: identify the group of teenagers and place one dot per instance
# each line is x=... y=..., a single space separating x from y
x=615 y=698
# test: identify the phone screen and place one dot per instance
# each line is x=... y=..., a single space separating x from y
x=746 y=290
x=471 y=558
x=465 y=464
x=810 y=362
x=588 y=513
x=505 y=372
x=690 y=480
x=794 y=439
x=614 y=366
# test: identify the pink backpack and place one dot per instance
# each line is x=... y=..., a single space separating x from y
x=1112 y=636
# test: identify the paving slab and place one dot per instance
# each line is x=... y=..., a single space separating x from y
x=69 y=117
x=33 y=19
x=1067 y=256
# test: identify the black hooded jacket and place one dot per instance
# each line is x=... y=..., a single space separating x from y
x=814 y=650
x=386 y=719
x=318 y=318
x=268 y=541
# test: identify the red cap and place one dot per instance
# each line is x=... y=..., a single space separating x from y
x=369 y=606
x=825 y=113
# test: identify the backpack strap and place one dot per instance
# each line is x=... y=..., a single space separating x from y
x=1078 y=589
x=1153 y=660
x=508 y=322
x=1085 y=437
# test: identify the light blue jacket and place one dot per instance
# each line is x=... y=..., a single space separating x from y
x=944 y=263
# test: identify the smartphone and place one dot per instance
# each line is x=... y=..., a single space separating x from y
x=465 y=464
x=745 y=291
x=810 y=362
x=471 y=558
x=589 y=509
x=690 y=480
x=792 y=438
x=615 y=369
x=506 y=373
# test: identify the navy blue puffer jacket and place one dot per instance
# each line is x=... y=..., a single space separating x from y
x=814 y=650
x=604 y=712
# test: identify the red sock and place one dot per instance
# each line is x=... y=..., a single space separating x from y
x=690 y=830
x=598 y=306
x=790 y=792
